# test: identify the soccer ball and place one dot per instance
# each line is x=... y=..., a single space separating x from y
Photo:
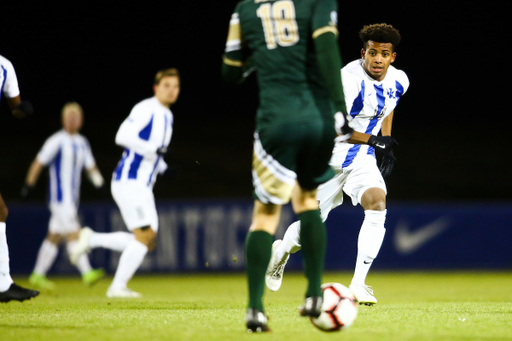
x=339 y=308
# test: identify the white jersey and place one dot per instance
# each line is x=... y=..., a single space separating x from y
x=147 y=128
x=368 y=102
x=67 y=155
x=8 y=79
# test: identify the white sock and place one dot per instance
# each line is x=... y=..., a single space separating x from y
x=130 y=260
x=369 y=242
x=117 y=241
x=5 y=273
x=291 y=241
x=45 y=257
x=82 y=264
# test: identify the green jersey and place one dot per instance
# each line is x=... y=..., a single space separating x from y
x=277 y=37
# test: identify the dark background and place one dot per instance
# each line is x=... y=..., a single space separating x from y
x=452 y=125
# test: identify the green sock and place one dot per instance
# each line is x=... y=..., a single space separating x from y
x=313 y=237
x=258 y=250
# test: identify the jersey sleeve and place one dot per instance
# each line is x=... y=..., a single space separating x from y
x=49 y=150
x=128 y=135
x=350 y=88
x=89 y=161
x=233 y=53
x=10 y=88
x=403 y=80
x=325 y=17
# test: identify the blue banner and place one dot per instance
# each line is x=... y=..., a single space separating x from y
x=209 y=236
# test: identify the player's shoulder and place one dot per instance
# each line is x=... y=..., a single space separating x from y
x=399 y=75
x=353 y=71
x=57 y=137
x=5 y=62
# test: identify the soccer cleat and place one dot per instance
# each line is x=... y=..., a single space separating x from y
x=82 y=246
x=363 y=294
x=122 y=293
x=256 y=321
x=92 y=277
x=275 y=269
x=17 y=293
x=41 y=282
x=312 y=306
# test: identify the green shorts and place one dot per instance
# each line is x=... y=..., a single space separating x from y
x=291 y=152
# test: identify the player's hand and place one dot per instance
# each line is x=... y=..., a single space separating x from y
x=386 y=166
x=384 y=144
x=26 y=191
x=161 y=151
x=23 y=109
x=342 y=126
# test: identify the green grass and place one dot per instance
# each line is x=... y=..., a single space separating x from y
x=412 y=306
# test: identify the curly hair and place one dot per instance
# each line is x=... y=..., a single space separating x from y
x=381 y=33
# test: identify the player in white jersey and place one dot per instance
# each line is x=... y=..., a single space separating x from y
x=145 y=134
x=9 y=88
x=372 y=90
x=66 y=153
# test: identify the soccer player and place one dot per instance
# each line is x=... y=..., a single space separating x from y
x=372 y=89
x=66 y=152
x=145 y=135
x=293 y=47
x=9 y=87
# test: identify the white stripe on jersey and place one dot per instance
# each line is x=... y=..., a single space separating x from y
x=368 y=102
x=67 y=155
x=147 y=128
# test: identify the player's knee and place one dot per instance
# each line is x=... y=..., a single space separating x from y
x=54 y=238
x=4 y=212
x=374 y=199
x=146 y=236
x=377 y=205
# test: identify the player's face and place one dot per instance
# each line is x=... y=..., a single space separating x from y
x=377 y=58
x=168 y=90
x=72 y=121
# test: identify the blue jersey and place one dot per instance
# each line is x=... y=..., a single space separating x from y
x=369 y=102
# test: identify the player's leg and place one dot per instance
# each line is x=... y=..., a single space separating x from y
x=273 y=182
x=369 y=242
x=329 y=195
x=313 y=236
x=137 y=206
x=366 y=186
x=312 y=170
x=9 y=290
x=90 y=276
x=89 y=239
x=45 y=258
x=130 y=261
x=258 y=249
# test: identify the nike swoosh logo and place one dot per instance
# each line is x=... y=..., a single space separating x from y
x=407 y=241
x=380 y=145
x=365 y=262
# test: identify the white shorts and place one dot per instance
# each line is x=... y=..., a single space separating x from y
x=354 y=181
x=136 y=203
x=63 y=219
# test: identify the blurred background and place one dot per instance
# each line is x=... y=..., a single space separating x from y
x=453 y=162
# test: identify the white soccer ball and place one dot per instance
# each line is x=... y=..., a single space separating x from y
x=339 y=308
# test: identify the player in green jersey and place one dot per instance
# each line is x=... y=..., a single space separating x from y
x=293 y=48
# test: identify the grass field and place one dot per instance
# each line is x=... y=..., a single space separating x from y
x=412 y=306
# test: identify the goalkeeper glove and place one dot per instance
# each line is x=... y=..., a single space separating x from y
x=384 y=144
x=386 y=165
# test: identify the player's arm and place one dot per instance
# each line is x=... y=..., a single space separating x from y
x=128 y=134
x=236 y=66
x=95 y=176
x=33 y=174
x=325 y=34
x=387 y=125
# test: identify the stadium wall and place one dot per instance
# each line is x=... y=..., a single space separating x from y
x=201 y=236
